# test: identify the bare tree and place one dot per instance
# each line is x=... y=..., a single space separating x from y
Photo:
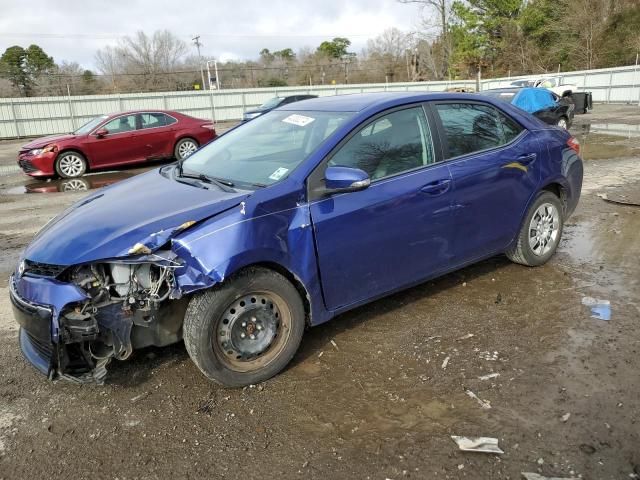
x=148 y=56
x=390 y=51
x=442 y=8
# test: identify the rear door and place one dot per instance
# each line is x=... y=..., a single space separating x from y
x=494 y=166
x=398 y=230
x=155 y=134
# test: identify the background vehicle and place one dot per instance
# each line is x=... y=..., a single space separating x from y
x=522 y=83
x=272 y=103
x=118 y=139
x=540 y=102
x=556 y=86
x=304 y=213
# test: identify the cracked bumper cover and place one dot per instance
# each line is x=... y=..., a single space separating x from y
x=36 y=304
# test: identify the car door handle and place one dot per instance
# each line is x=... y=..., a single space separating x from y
x=436 y=188
x=527 y=158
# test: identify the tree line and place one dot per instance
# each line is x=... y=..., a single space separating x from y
x=457 y=39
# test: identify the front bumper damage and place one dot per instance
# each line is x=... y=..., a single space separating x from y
x=53 y=349
x=71 y=333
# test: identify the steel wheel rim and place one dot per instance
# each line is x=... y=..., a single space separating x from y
x=71 y=165
x=187 y=148
x=562 y=123
x=544 y=229
x=252 y=331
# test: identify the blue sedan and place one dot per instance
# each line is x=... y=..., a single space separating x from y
x=287 y=221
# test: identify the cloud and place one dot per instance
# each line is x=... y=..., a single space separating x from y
x=73 y=30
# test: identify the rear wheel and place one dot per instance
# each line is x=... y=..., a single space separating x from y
x=184 y=148
x=540 y=232
x=247 y=329
x=71 y=164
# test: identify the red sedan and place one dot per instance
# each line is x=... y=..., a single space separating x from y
x=118 y=139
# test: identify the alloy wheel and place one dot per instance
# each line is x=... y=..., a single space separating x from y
x=71 y=165
x=186 y=148
x=544 y=229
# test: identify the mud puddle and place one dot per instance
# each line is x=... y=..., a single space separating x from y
x=88 y=182
x=608 y=140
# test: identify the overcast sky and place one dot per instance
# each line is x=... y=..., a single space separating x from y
x=73 y=30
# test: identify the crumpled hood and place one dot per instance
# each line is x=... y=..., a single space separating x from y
x=110 y=222
x=43 y=142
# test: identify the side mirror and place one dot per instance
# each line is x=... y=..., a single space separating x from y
x=345 y=179
x=102 y=132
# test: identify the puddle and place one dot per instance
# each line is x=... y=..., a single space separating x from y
x=614 y=129
x=88 y=182
x=609 y=250
x=601 y=141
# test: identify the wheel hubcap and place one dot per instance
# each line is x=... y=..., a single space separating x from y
x=544 y=228
x=562 y=123
x=252 y=331
x=71 y=165
x=186 y=149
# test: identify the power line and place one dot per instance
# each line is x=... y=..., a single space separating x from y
x=210 y=35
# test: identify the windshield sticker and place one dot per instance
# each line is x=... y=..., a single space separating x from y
x=299 y=120
x=279 y=173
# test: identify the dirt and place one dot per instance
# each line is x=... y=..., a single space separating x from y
x=378 y=404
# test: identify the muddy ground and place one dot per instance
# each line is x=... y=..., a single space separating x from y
x=379 y=403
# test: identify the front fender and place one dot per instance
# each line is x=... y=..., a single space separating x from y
x=241 y=238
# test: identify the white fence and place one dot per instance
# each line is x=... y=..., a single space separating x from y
x=25 y=117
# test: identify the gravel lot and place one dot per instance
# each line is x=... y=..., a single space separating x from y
x=384 y=401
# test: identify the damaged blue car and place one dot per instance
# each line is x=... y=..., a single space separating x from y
x=285 y=222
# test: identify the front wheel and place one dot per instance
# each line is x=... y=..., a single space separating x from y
x=184 y=148
x=245 y=330
x=540 y=232
x=71 y=164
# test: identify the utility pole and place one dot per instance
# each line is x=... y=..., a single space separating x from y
x=196 y=41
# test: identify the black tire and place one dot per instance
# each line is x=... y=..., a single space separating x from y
x=179 y=151
x=70 y=164
x=207 y=327
x=522 y=252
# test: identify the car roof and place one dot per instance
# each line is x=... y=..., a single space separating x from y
x=503 y=90
x=148 y=110
x=357 y=102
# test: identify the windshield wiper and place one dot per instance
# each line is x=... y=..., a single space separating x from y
x=223 y=185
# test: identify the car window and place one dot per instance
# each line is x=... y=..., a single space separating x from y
x=510 y=127
x=152 y=120
x=470 y=127
x=121 y=124
x=395 y=143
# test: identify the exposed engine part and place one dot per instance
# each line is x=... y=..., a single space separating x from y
x=126 y=309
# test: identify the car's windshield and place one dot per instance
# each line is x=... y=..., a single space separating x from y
x=265 y=150
x=271 y=103
x=90 y=125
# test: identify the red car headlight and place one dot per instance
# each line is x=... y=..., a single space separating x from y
x=40 y=151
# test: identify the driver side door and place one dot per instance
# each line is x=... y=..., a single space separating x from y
x=398 y=230
x=117 y=146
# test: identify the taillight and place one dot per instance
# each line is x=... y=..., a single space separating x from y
x=209 y=126
x=574 y=144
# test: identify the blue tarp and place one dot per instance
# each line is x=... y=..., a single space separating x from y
x=533 y=99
